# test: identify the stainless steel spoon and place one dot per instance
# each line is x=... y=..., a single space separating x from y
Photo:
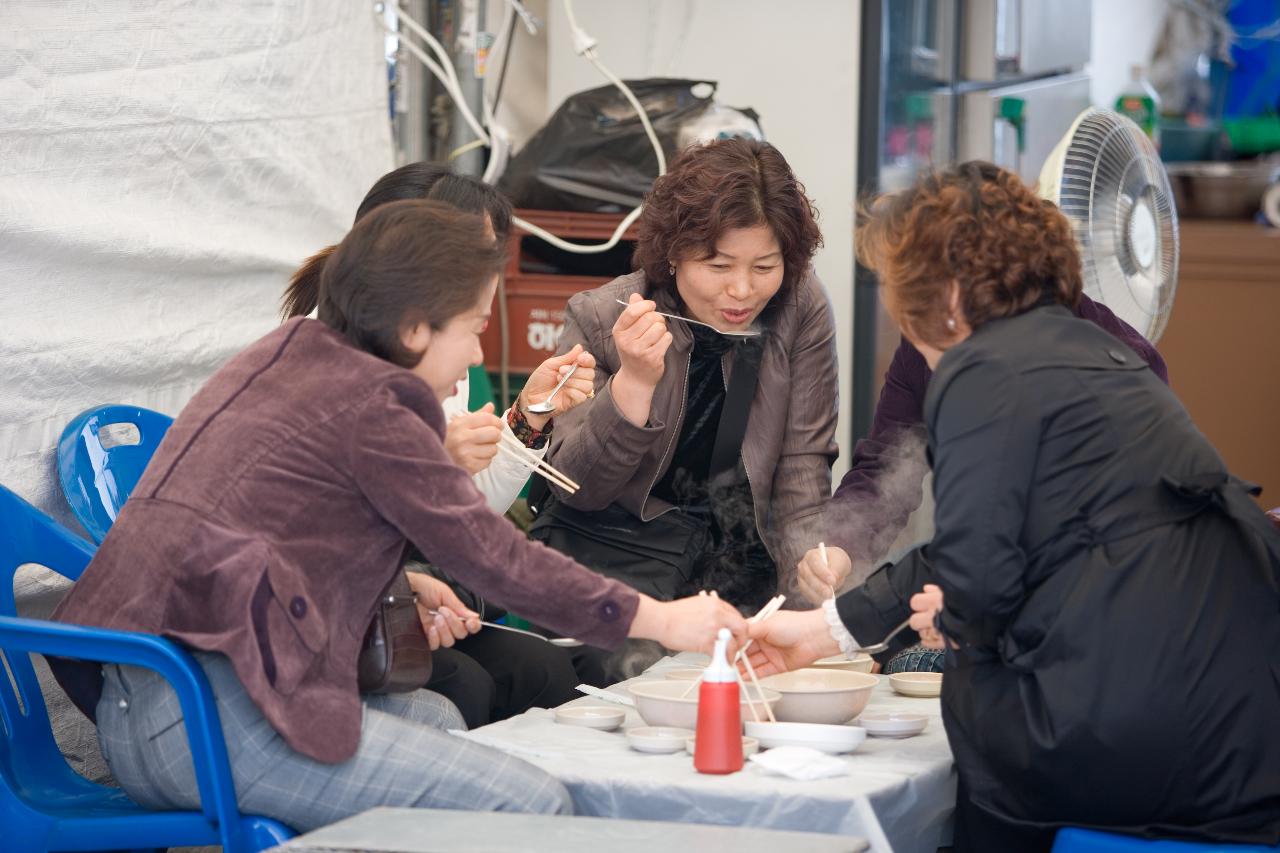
x=749 y=333
x=884 y=644
x=563 y=642
x=546 y=407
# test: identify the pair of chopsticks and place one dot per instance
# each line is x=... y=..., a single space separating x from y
x=511 y=445
x=765 y=612
x=768 y=610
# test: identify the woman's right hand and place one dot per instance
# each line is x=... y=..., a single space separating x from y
x=688 y=624
x=471 y=440
x=642 y=339
x=820 y=579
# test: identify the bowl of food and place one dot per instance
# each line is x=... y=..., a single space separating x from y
x=860 y=662
x=673 y=703
x=922 y=685
x=831 y=696
x=824 y=738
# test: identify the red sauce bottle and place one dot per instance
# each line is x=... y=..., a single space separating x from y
x=718 y=747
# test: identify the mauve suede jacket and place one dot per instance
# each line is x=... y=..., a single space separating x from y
x=883 y=485
x=277 y=509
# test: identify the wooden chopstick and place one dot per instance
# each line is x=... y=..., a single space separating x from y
x=751 y=670
x=535 y=460
x=517 y=450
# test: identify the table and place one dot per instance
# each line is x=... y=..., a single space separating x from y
x=388 y=830
x=899 y=794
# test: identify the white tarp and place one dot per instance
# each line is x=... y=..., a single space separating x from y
x=164 y=166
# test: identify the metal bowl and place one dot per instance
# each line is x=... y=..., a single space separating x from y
x=1220 y=190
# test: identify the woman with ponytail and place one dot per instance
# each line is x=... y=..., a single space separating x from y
x=493 y=674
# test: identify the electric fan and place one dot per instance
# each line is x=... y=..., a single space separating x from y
x=1106 y=176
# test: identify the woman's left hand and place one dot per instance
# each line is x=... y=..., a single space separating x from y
x=925 y=607
x=547 y=376
x=451 y=621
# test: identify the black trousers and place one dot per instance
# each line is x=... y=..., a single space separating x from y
x=495 y=674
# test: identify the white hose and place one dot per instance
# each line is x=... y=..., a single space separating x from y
x=499 y=140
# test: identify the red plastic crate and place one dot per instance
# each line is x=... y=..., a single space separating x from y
x=536 y=301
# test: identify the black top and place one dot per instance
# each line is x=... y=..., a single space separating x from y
x=736 y=563
x=1108 y=589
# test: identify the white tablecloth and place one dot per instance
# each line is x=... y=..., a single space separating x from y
x=899 y=794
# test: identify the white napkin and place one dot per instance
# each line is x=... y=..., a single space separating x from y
x=800 y=762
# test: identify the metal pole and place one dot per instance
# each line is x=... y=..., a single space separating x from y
x=462 y=31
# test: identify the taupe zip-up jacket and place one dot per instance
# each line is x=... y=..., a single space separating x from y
x=790 y=443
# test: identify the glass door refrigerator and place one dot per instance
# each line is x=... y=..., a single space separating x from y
x=945 y=81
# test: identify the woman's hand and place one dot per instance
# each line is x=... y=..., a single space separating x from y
x=790 y=639
x=445 y=619
x=688 y=624
x=642 y=339
x=925 y=607
x=820 y=580
x=547 y=376
x=471 y=440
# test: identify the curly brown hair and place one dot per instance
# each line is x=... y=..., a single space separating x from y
x=713 y=188
x=976 y=225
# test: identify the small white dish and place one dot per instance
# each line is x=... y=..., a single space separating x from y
x=591 y=717
x=750 y=746
x=819 y=736
x=921 y=685
x=565 y=642
x=858 y=663
x=893 y=723
x=683 y=673
x=658 y=739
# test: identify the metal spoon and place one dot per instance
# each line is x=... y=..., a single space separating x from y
x=884 y=644
x=562 y=642
x=749 y=333
x=546 y=407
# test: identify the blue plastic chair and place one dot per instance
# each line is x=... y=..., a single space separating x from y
x=97 y=472
x=1091 y=841
x=44 y=804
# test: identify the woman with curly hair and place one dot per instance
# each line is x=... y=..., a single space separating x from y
x=690 y=480
x=1106 y=591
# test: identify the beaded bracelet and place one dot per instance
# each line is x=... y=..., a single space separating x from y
x=531 y=438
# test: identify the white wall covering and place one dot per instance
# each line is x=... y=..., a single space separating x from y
x=164 y=166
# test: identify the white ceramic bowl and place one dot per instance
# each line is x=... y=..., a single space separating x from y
x=684 y=673
x=830 y=696
x=858 y=663
x=918 y=684
x=832 y=739
x=658 y=739
x=591 y=716
x=750 y=746
x=895 y=724
x=664 y=703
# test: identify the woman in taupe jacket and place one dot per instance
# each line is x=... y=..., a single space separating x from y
x=726 y=239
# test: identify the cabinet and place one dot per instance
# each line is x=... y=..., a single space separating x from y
x=1222 y=344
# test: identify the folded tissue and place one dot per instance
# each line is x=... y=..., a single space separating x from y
x=800 y=762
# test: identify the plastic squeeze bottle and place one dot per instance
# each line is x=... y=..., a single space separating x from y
x=719 y=743
x=1140 y=102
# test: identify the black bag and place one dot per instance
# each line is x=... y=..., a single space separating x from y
x=656 y=557
x=593 y=154
x=395 y=656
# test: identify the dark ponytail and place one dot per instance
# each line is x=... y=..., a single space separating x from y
x=303 y=293
x=413 y=181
